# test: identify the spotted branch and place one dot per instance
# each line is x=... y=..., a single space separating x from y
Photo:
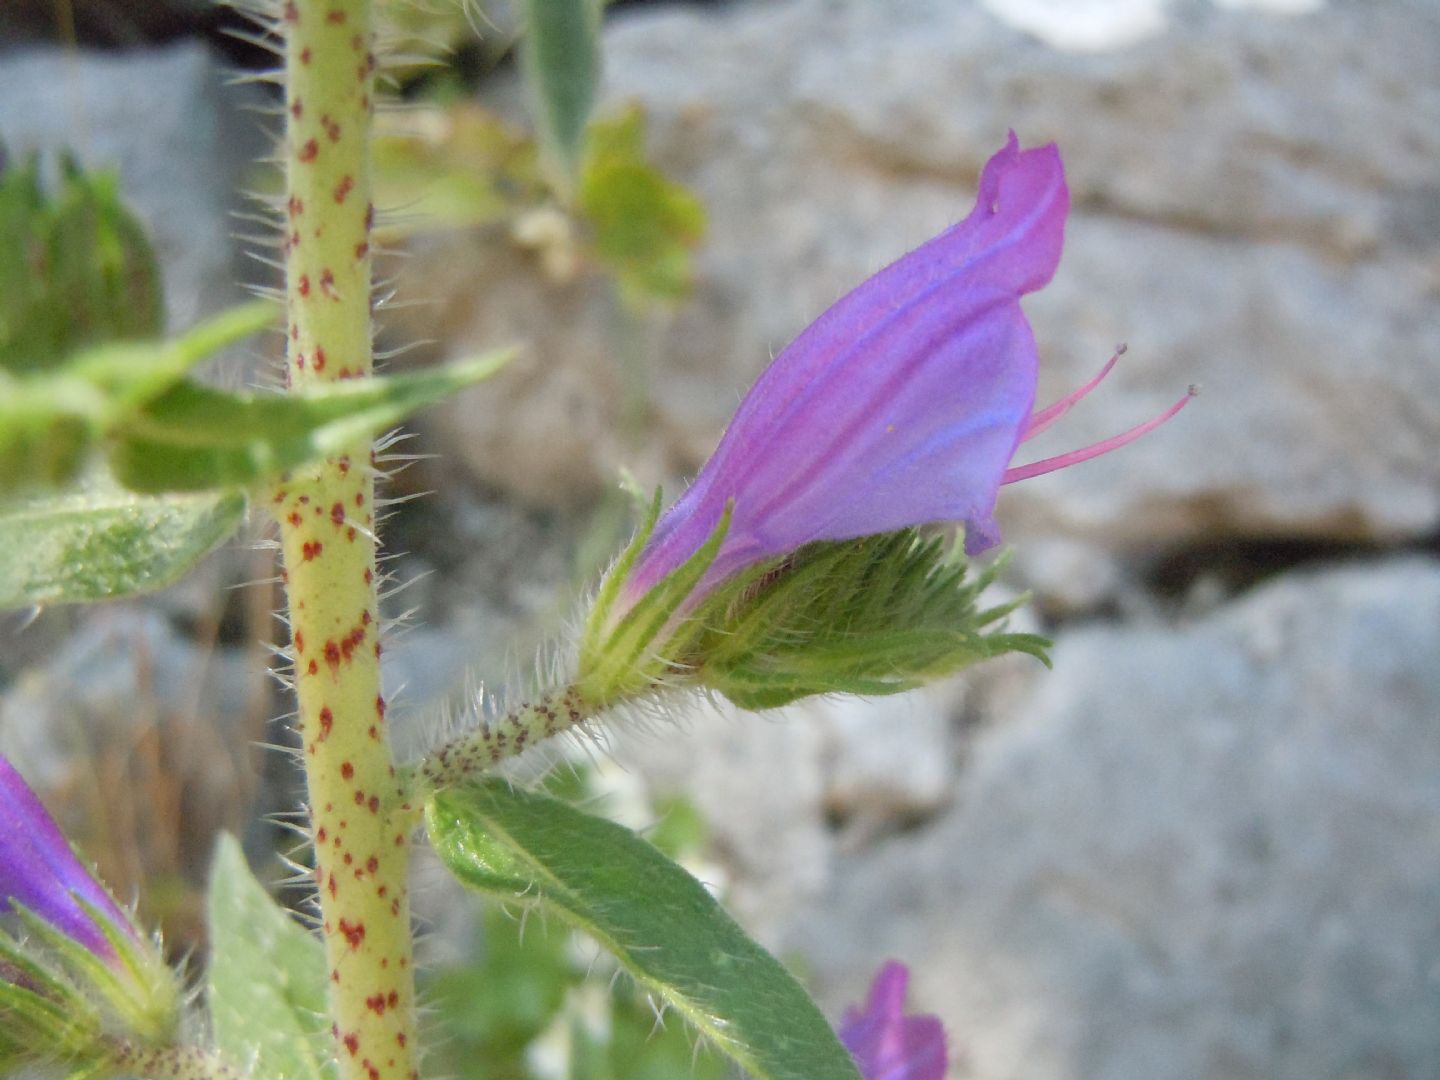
x=502 y=736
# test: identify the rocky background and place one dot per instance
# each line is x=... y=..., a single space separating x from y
x=1208 y=843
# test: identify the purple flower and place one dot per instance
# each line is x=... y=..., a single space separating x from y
x=887 y=1044
x=902 y=405
x=39 y=870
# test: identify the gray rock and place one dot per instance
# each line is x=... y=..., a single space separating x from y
x=1255 y=211
x=548 y=427
x=103 y=22
x=164 y=118
x=783 y=792
x=1200 y=852
x=888 y=760
x=1250 y=198
x=1068 y=577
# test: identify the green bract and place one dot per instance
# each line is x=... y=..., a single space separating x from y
x=60 y=1001
x=876 y=615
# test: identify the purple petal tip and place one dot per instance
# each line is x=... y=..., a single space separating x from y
x=887 y=1044
x=39 y=870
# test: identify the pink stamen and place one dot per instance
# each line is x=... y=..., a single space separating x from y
x=1074 y=457
x=1041 y=420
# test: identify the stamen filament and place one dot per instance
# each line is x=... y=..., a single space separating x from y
x=1074 y=457
x=1042 y=420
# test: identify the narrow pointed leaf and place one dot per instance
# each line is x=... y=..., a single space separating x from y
x=132 y=373
x=50 y=420
x=36 y=1022
x=100 y=541
x=660 y=923
x=561 y=60
x=610 y=585
x=877 y=615
x=194 y=438
x=266 y=982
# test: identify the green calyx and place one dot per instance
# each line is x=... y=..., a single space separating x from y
x=876 y=615
x=643 y=649
x=44 y=1014
x=61 y=1001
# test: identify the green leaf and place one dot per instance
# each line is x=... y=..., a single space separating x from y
x=454 y=168
x=75 y=267
x=643 y=226
x=561 y=60
x=33 y=1022
x=266 y=982
x=41 y=1008
x=490 y=1009
x=132 y=374
x=595 y=625
x=50 y=419
x=100 y=541
x=44 y=1013
x=659 y=922
x=194 y=438
x=635 y=653
x=46 y=431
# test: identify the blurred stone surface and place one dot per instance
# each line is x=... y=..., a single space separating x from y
x=1210 y=851
x=782 y=792
x=142 y=741
x=120 y=674
x=177 y=135
x=1256 y=210
x=547 y=429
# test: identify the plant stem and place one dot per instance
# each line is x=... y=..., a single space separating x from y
x=170 y=1063
x=326 y=525
x=500 y=737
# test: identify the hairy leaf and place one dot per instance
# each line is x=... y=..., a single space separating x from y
x=100 y=541
x=266 y=981
x=659 y=922
x=50 y=420
x=873 y=616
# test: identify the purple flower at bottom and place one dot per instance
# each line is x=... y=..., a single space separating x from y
x=887 y=1044
x=39 y=870
x=900 y=406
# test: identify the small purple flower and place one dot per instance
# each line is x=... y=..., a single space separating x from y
x=39 y=870
x=887 y=1044
x=901 y=405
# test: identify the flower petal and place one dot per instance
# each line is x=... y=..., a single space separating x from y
x=39 y=870
x=887 y=1044
x=901 y=405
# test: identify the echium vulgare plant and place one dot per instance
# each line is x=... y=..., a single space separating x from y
x=812 y=554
